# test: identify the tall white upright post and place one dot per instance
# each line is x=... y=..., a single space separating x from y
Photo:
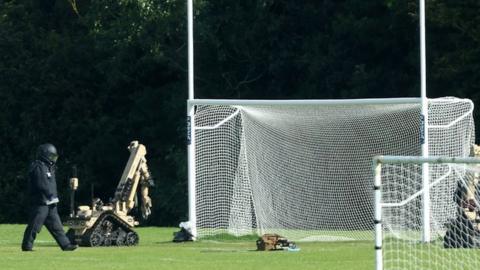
x=192 y=214
x=377 y=168
x=424 y=132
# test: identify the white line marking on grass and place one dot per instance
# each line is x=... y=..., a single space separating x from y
x=5 y=241
x=45 y=241
x=325 y=238
x=222 y=250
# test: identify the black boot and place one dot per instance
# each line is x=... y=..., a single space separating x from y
x=70 y=247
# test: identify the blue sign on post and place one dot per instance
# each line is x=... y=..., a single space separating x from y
x=422 y=129
x=189 y=130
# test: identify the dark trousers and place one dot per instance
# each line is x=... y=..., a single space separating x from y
x=48 y=215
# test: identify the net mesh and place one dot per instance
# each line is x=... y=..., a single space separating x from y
x=304 y=171
x=454 y=219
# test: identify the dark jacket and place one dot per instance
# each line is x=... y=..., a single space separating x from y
x=42 y=183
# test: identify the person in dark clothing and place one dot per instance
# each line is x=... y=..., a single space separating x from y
x=43 y=200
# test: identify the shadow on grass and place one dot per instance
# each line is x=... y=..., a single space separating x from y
x=227 y=250
x=229 y=237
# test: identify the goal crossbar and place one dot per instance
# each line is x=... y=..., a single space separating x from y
x=421 y=160
x=259 y=102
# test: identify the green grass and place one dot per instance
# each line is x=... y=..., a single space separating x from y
x=156 y=251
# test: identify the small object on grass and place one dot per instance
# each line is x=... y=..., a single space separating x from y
x=273 y=242
x=293 y=248
x=185 y=233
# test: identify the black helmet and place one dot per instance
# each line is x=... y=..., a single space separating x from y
x=47 y=152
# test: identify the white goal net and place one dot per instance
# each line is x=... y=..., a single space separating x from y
x=302 y=169
x=454 y=213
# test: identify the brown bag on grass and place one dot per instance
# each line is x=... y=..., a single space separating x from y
x=271 y=241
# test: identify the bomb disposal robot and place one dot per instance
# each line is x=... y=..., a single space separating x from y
x=111 y=224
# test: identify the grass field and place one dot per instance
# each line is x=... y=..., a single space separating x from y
x=156 y=251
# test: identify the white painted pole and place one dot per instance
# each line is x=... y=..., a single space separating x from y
x=192 y=213
x=190 y=49
x=424 y=139
x=421 y=160
x=377 y=167
x=259 y=102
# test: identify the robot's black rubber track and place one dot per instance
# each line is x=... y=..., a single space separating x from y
x=109 y=230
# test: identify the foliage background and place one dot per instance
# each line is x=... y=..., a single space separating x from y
x=90 y=76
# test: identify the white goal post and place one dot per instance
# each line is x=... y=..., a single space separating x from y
x=301 y=168
x=454 y=216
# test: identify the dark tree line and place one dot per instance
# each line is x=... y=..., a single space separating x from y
x=90 y=76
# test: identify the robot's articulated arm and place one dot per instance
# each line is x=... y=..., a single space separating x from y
x=146 y=181
x=135 y=175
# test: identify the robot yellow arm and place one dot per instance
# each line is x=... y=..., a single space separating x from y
x=145 y=183
x=134 y=175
